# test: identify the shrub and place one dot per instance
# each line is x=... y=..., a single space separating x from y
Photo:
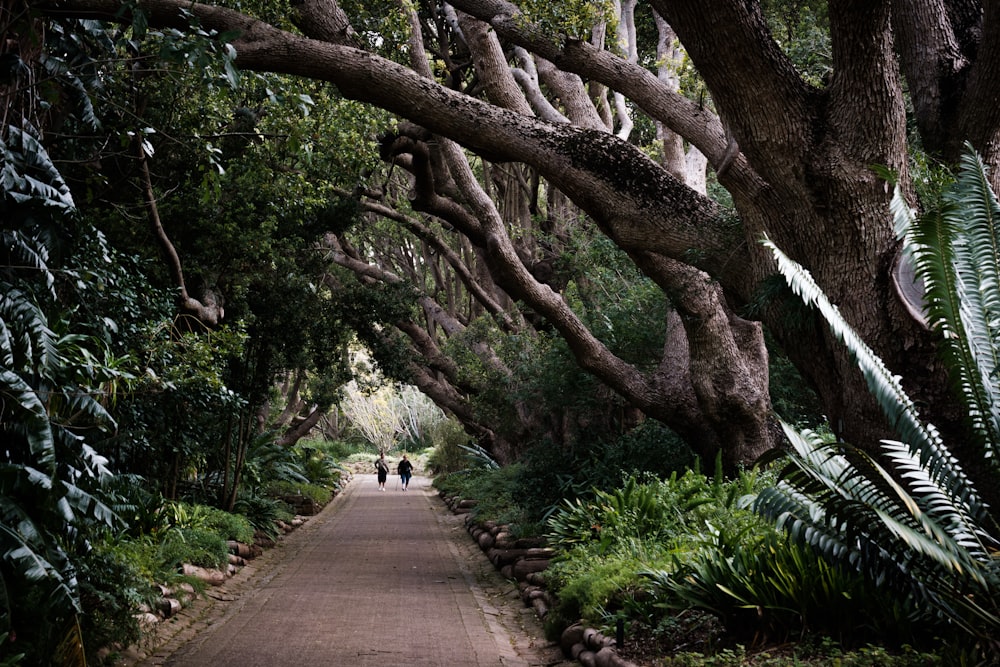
x=771 y=589
x=645 y=525
x=111 y=591
x=320 y=495
x=338 y=450
x=448 y=454
x=194 y=546
x=225 y=524
x=263 y=512
x=319 y=466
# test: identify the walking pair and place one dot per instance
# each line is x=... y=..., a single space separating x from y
x=404 y=469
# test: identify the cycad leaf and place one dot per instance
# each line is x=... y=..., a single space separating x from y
x=885 y=386
x=923 y=440
x=954 y=247
x=842 y=503
x=975 y=257
x=947 y=508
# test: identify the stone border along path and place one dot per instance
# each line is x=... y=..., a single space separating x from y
x=525 y=561
x=376 y=578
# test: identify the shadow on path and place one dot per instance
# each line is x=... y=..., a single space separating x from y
x=377 y=578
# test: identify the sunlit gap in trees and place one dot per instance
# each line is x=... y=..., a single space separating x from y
x=387 y=414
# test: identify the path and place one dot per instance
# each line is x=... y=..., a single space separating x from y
x=377 y=578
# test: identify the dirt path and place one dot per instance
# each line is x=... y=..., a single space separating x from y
x=377 y=578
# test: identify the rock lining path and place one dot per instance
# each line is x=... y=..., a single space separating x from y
x=376 y=578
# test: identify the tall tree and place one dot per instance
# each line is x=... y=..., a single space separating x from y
x=794 y=154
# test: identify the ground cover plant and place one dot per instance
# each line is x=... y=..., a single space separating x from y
x=689 y=568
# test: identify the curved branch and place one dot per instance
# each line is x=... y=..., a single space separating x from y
x=685 y=117
x=633 y=199
x=302 y=428
x=210 y=313
x=424 y=233
x=491 y=66
x=527 y=77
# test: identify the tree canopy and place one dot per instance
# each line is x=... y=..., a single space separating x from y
x=519 y=133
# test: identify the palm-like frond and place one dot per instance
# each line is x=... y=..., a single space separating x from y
x=48 y=475
x=955 y=249
x=28 y=176
x=842 y=503
x=900 y=410
x=27 y=339
x=30 y=417
x=919 y=529
x=885 y=386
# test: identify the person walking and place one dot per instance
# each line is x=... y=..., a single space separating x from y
x=382 y=468
x=405 y=470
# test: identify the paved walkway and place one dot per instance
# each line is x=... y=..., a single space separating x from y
x=377 y=578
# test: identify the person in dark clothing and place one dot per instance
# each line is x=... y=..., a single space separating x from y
x=405 y=470
x=382 y=468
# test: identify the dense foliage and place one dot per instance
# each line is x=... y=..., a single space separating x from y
x=833 y=542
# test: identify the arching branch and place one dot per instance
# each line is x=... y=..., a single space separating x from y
x=210 y=312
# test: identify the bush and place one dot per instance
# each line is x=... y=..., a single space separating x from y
x=600 y=589
x=111 y=592
x=322 y=460
x=225 y=524
x=448 y=455
x=651 y=447
x=263 y=512
x=338 y=450
x=609 y=541
x=194 y=546
x=320 y=495
x=497 y=496
x=771 y=589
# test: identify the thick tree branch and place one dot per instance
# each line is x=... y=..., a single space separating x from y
x=979 y=119
x=693 y=121
x=933 y=61
x=778 y=96
x=302 y=428
x=631 y=198
x=866 y=111
x=491 y=66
